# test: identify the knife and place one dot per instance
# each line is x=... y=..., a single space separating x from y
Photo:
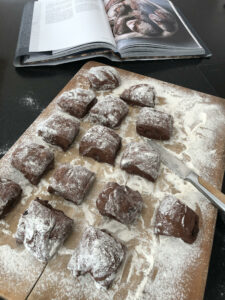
x=179 y=168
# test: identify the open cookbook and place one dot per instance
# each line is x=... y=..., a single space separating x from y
x=58 y=31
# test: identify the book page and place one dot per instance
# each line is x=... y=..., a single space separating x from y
x=59 y=24
x=148 y=23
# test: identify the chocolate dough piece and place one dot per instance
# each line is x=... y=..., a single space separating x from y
x=176 y=219
x=103 y=78
x=59 y=130
x=33 y=160
x=141 y=159
x=99 y=254
x=77 y=102
x=140 y=94
x=109 y=112
x=42 y=229
x=71 y=182
x=154 y=124
x=101 y=144
x=10 y=193
x=119 y=202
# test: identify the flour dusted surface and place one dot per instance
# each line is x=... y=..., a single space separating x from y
x=146 y=268
x=16 y=264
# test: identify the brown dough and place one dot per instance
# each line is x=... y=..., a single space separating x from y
x=10 y=193
x=119 y=202
x=100 y=143
x=77 y=102
x=109 y=112
x=99 y=254
x=33 y=160
x=71 y=182
x=176 y=219
x=59 y=130
x=42 y=229
x=154 y=124
x=140 y=94
x=103 y=78
x=141 y=159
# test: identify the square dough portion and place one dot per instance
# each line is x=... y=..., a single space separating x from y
x=141 y=159
x=99 y=254
x=71 y=182
x=139 y=94
x=59 y=130
x=109 y=112
x=104 y=78
x=10 y=193
x=174 y=218
x=42 y=229
x=119 y=202
x=77 y=102
x=33 y=160
x=101 y=144
x=154 y=124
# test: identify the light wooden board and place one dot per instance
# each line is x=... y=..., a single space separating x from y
x=26 y=276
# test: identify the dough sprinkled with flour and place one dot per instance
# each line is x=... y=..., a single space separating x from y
x=99 y=254
x=109 y=112
x=77 y=102
x=104 y=78
x=43 y=229
x=139 y=94
x=119 y=202
x=71 y=182
x=101 y=144
x=141 y=159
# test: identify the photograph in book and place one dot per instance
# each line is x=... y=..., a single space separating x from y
x=147 y=22
x=53 y=32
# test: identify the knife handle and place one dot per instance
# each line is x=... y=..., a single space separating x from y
x=209 y=191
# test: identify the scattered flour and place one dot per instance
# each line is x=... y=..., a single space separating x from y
x=17 y=266
x=30 y=102
x=154 y=268
x=4 y=149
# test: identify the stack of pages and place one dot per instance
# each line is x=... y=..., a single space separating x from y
x=58 y=31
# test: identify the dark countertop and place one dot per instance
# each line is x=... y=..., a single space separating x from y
x=25 y=92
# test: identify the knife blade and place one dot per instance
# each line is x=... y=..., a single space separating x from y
x=180 y=169
x=168 y=159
